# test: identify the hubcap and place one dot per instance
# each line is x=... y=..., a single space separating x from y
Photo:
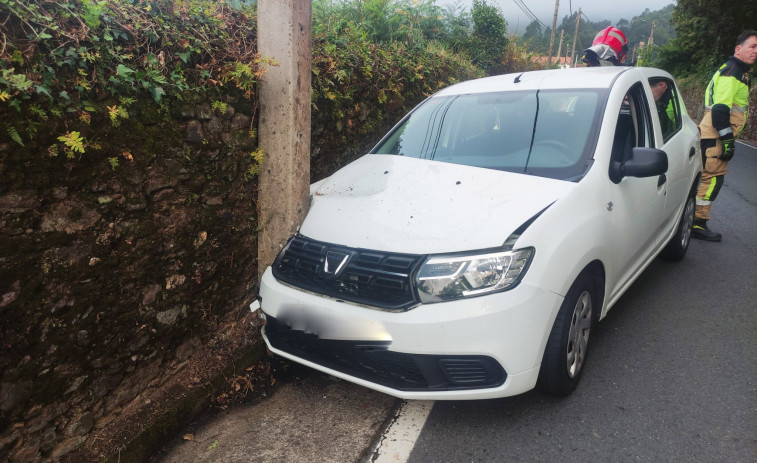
x=578 y=336
x=688 y=222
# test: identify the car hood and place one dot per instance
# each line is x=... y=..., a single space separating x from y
x=408 y=205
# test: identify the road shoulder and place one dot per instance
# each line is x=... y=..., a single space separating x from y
x=316 y=418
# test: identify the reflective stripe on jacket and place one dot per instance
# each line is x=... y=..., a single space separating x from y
x=726 y=101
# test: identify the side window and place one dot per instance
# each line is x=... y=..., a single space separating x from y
x=667 y=105
x=634 y=126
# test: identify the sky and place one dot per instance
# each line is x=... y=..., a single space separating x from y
x=594 y=10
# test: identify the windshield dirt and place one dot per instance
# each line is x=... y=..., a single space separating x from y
x=545 y=133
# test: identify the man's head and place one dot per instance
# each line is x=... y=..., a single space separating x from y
x=659 y=87
x=746 y=47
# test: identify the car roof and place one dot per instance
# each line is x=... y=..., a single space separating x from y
x=557 y=79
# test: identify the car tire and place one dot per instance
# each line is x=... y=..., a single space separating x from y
x=676 y=248
x=565 y=354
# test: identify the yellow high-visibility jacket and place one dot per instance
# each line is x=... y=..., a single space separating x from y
x=726 y=101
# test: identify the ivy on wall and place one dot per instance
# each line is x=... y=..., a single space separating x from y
x=64 y=62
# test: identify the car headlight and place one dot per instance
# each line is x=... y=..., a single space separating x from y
x=442 y=278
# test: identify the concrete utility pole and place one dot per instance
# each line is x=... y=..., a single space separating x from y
x=559 y=47
x=575 y=38
x=284 y=34
x=552 y=36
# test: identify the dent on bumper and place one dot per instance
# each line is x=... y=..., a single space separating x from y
x=508 y=330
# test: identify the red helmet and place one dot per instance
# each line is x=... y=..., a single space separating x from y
x=615 y=39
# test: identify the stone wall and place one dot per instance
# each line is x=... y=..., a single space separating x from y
x=123 y=288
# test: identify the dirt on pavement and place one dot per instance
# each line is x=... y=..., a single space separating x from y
x=309 y=417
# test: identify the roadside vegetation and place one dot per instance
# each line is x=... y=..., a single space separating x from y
x=706 y=33
x=66 y=65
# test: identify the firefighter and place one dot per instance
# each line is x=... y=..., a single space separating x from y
x=609 y=48
x=726 y=102
x=663 y=98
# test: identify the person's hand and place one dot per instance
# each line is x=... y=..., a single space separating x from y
x=729 y=148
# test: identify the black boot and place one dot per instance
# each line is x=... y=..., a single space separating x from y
x=701 y=232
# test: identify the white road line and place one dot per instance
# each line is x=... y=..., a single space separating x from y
x=399 y=439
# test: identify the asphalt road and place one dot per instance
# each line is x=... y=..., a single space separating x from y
x=671 y=377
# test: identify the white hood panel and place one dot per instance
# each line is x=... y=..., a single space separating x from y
x=417 y=206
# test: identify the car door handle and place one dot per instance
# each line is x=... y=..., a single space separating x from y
x=692 y=152
x=661 y=180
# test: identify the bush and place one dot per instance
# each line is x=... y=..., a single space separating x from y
x=64 y=63
x=361 y=89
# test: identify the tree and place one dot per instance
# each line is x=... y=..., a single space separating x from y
x=489 y=38
x=456 y=28
x=706 y=32
x=639 y=30
x=535 y=39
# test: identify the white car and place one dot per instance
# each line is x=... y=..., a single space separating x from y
x=470 y=253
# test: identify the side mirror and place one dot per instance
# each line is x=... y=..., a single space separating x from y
x=644 y=162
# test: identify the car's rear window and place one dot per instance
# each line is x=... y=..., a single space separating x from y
x=546 y=133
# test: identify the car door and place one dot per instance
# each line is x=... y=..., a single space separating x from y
x=678 y=140
x=638 y=204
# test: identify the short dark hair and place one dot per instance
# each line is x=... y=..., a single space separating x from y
x=744 y=36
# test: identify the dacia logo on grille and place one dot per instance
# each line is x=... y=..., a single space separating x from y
x=335 y=262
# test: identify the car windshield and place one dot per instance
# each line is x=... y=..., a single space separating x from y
x=541 y=132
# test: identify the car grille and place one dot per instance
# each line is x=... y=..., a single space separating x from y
x=463 y=371
x=368 y=277
x=373 y=361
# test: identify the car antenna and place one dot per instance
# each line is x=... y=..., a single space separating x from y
x=517 y=79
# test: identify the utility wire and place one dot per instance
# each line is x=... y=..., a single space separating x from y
x=528 y=12
x=525 y=11
x=570 y=4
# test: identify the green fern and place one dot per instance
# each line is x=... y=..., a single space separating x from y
x=219 y=106
x=38 y=111
x=257 y=161
x=126 y=101
x=14 y=135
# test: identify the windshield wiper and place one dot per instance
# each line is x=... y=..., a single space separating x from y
x=433 y=130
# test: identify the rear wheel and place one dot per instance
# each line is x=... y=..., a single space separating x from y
x=679 y=243
x=568 y=342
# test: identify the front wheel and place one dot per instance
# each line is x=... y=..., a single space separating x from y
x=568 y=341
x=678 y=245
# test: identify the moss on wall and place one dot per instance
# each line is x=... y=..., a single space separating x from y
x=107 y=271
